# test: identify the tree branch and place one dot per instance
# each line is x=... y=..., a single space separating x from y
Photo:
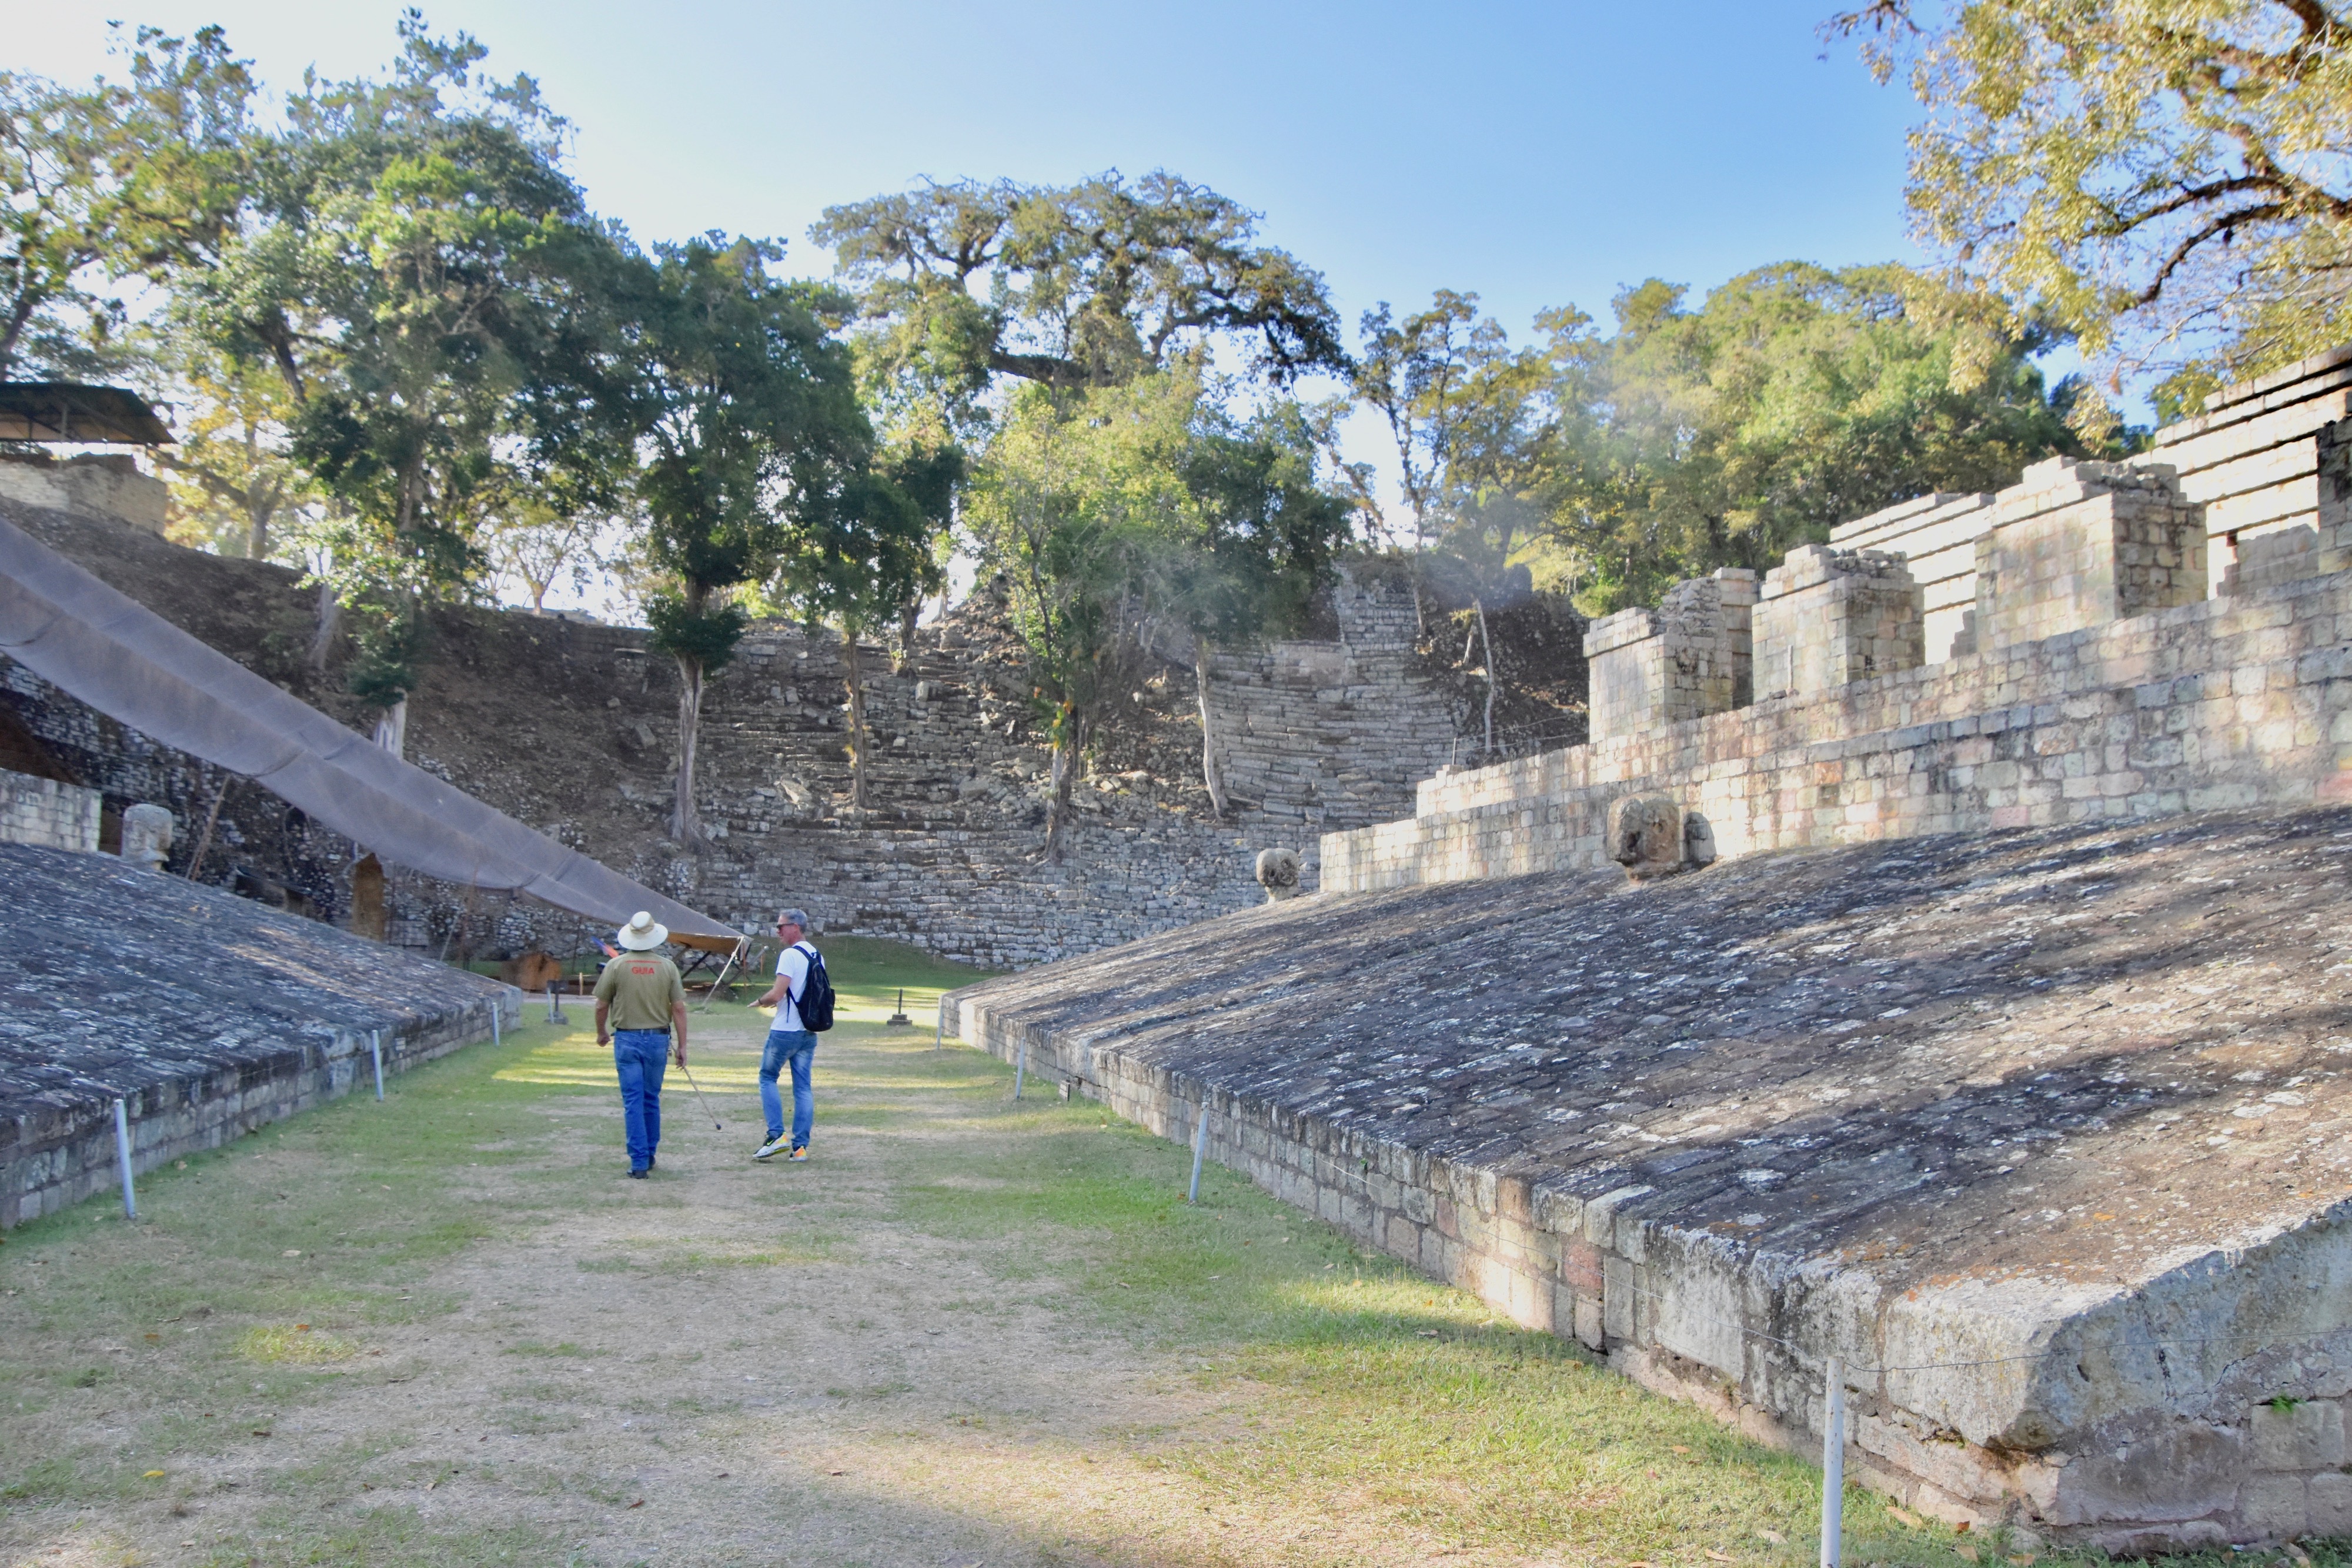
x=2181 y=252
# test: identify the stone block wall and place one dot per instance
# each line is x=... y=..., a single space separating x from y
x=95 y=484
x=2193 y=1450
x=2267 y=454
x=2080 y=544
x=1688 y=657
x=1312 y=733
x=44 y=811
x=55 y=1154
x=2231 y=702
x=1937 y=534
x=1829 y=617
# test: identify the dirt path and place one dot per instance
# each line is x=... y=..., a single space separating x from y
x=730 y=1363
x=450 y=1330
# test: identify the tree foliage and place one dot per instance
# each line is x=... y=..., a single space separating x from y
x=1088 y=284
x=427 y=284
x=742 y=408
x=1792 y=399
x=111 y=182
x=1110 y=511
x=2167 y=178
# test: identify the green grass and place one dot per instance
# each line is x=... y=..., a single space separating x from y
x=1334 y=1380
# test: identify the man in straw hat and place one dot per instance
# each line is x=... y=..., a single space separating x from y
x=639 y=1002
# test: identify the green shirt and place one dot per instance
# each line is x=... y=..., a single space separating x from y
x=642 y=988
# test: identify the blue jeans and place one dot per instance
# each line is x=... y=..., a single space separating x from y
x=797 y=1046
x=640 y=1055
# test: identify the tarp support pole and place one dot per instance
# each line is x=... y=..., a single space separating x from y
x=122 y=1153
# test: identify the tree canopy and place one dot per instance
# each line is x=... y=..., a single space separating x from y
x=2166 y=178
x=1080 y=286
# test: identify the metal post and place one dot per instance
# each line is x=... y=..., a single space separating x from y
x=1833 y=1463
x=940 y=1040
x=375 y=1050
x=495 y=1008
x=1200 y=1147
x=1019 y=1068
x=122 y=1153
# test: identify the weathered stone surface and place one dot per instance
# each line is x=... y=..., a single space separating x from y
x=1312 y=735
x=2065 y=1106
x=1685 y=659
x=209 y=1014
x=1829 y=617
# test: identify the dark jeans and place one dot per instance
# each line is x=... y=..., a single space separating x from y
x=640 y=1055
x=797 y=1046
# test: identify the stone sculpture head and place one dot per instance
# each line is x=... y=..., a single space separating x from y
x=1698 y=840
x=1645 y=835
x=1278 y=873
x=147 y=836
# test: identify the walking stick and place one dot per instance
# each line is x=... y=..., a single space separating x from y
x=706 y=1105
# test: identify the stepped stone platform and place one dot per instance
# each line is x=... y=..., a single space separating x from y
x=208 y=1014
x=2042 y=1130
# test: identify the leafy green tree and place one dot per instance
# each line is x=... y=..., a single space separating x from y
x=1065 y=503
x=750 y=440
x=1795 y=398
x=1088 y=284
x=1242 y=562
x=232 y=476
x=109 y=183
x=531 y=541
x=1476 y=425
x=429 y=287
x=2165 y=177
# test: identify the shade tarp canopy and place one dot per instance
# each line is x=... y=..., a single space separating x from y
x=129 y=663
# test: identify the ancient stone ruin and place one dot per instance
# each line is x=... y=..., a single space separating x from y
x=1999 y=1054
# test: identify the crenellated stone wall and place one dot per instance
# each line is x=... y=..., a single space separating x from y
x=1687 y=658
x=2083 y=674
x=44 y=811
x=1829 y=617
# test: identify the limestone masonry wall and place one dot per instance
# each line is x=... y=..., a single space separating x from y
x=44 y=811
x=2084 y=671
x=1313 y=736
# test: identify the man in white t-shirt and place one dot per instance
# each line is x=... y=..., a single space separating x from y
x=788 y=1042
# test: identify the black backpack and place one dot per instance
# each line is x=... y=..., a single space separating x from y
x=815 y=1000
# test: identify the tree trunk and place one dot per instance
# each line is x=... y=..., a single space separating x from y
x=685 y=824
x=909 y=615
x=854 y=677
x=1486 y=643
x=392 y=728
x=257 y=533
x=1211 y=774
x=1068 y=741
x=330 y=615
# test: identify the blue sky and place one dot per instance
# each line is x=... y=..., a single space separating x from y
x=1536 y=154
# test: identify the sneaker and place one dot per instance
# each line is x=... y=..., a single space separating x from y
x=639 y=1174
x=800 y=1152
x=772 y=1147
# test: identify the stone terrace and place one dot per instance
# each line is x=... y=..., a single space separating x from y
x=208 y=1013
x=2067 y=1104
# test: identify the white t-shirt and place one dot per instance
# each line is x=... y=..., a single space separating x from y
x=792 y=965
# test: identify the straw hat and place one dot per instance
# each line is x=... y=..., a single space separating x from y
x=641 y=932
